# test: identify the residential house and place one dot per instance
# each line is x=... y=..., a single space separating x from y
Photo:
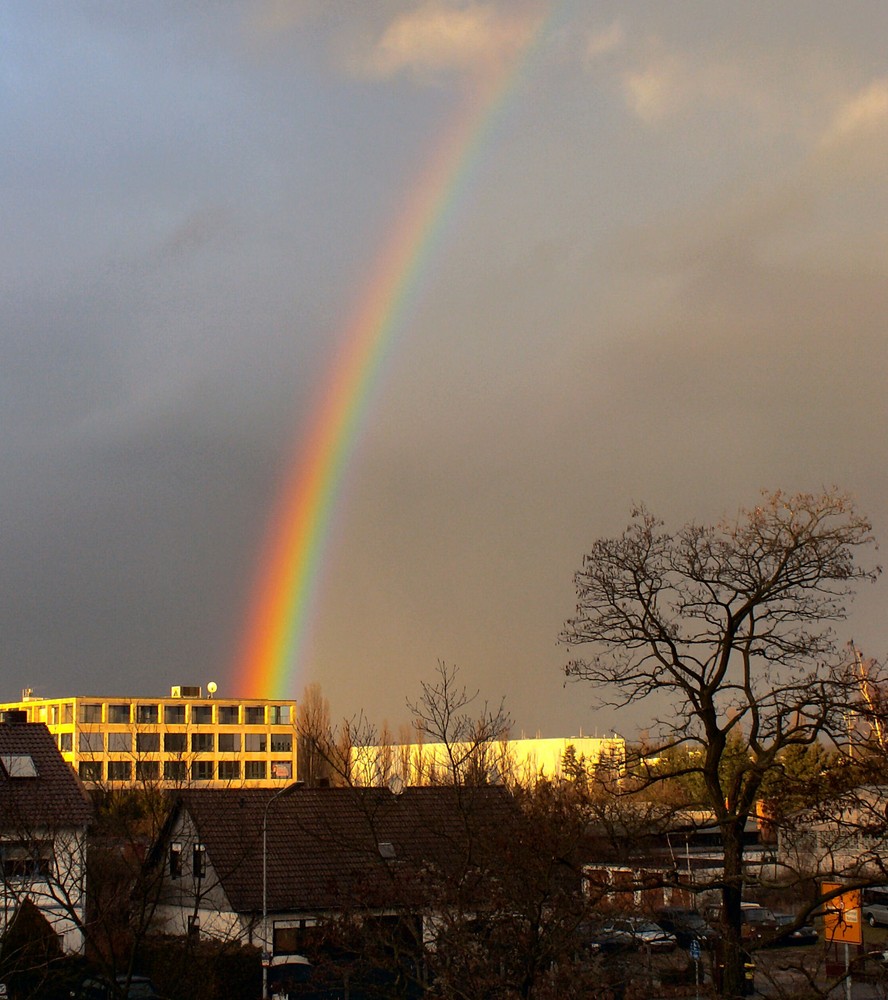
x=44 y=813
x=326 y=854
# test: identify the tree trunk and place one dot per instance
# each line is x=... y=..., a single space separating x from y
x=735 y=957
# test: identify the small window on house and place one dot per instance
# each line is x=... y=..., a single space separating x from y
x=147 y=714
x=193 y=925
x=120 y=742
x=281 y=769
x=90 y=770
x=18 y=765
x=147 y=742
x=254 y=715
x=296 y=938
x=199 y=861
x=54 y=715
x=228 y=715
x=255 y=770
x=175 y=860
x=279 y=715
x=26 y=859
x=255 y=742
x=202 y=742
x=229 y=770
x=120 y=770
x=174 y=715
x=66 y=742
x=174 y=770
x=281 y=742
x=119 y=714
x=91 y=713
x=175 y=742
x=147 y=770
x=201 y=715
x=202 y=770
x=68 y=714
x=229 y=742
x=90 y=742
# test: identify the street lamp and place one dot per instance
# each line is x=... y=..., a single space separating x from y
x=266 y=956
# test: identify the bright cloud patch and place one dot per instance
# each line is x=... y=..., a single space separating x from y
x=657 y=90
x=866 y=110
x=438 y=36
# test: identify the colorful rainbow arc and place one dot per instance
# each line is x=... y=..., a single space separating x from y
x=281 y=609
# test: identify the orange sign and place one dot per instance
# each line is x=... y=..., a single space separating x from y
x=841 y=919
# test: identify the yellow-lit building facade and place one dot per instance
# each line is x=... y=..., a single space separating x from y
x=521 y=761
x=187 y=738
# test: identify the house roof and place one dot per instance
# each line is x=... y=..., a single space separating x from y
x=335 y=848
x=47 y=795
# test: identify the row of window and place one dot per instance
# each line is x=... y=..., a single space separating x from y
x=180 y=770
x=177 y=742
x=26 y=859
x=175 y=715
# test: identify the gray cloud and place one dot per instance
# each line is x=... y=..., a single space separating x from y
x=680 y=311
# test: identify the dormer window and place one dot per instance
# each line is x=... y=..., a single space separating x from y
x=18 y=765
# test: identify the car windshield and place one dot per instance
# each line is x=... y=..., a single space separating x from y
x=646 y=927
x=141 y=991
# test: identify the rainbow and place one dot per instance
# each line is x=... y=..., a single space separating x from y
x=280 y=612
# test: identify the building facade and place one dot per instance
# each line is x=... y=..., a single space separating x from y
x=188 y=738
x=522 y=761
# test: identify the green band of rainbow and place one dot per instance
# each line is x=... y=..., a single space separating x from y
x=281 y=609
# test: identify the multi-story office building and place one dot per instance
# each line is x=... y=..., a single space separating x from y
x=187 y=738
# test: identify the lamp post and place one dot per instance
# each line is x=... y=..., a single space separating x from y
x=266 y=948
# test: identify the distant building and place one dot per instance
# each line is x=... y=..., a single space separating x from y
x=188 y=738
x=844 y=837
x=522 y=761
x=44 y=813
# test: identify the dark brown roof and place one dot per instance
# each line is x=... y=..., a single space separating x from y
x=324 y=844
x=53 y=798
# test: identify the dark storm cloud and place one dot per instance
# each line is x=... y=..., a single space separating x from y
x=664 y=282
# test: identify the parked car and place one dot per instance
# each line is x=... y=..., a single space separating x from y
x=803 y=935
x=635 y=932
x=757 y=923
x=139 y=988
x=875 y=905
x=592 y=940
x=687 y=925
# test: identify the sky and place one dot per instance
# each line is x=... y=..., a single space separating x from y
x=658 y=275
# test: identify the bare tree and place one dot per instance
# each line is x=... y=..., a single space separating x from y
x=313 y=727
x=467 y=744
x=731 y=625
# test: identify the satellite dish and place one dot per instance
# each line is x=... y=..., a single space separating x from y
x=212 y=688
